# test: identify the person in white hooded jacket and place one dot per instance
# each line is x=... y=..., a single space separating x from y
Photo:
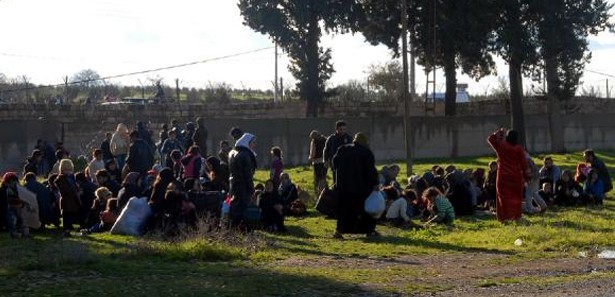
x=242 y=164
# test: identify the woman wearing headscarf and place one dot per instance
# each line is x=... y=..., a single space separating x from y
x=510 y=174
x=357 y=177
x=242 y=164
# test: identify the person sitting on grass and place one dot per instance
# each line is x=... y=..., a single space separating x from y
x=546 y=193
x=271 y=207
x=600 y=168
x=96 y=208
x=442 y=210
x=14 y=205
x=104 y=180
x=567 y=190
x=287 y=192
x=549 y=173
x=107 y=218
x=397 y=212
x=594 y=188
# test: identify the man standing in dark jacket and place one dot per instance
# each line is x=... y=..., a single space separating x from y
x=357 y=177
x=105 y=147
x=200 y=136
x=598 y=165
x=242 y=164
x=140 y=155
x=334 y=141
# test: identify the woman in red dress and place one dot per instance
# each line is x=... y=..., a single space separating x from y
x=510 y=175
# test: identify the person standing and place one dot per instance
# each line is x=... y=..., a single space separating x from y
x=169 y=145
x=317 y=146
x=200 y=136
x=105 y=147
x=120 y=142
x=277 y=165
x=242 y=164
x=334 y=141
x=32 y=163
x=357 y=177
x=225 y=149
x=140 y=155
x=96 y=164
x=600 y=168
x=510 y=174
x=70 y=200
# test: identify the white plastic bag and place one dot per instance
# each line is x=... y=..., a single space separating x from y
x=133 y=218
x=30 y=212
x=375 y=204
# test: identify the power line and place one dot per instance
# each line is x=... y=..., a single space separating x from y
x=601 y=73
x=142 y=71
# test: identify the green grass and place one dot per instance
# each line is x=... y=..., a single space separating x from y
x=304 y=262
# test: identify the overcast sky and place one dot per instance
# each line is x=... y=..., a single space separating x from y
x=49 y=39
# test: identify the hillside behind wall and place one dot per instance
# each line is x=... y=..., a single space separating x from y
x=587 y=123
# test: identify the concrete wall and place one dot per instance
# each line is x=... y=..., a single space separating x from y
x=432 y=136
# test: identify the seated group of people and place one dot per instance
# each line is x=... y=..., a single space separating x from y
x=550 y=186
x=442 y=193
x=94 y=196
x=275 y=204
x=435 y=196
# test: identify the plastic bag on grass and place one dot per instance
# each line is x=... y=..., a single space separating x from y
x=133 y=219
x=375 y=204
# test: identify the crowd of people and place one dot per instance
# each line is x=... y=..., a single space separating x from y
x=182 y=182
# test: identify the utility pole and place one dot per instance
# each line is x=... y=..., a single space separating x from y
x=608 y=92
x=26 y=82
x=412 y=64
x=65 y=90
x=177 y=89
x=275 y=80
x=281 y=89
x=404 y=46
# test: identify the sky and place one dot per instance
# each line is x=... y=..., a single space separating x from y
x=47 y=40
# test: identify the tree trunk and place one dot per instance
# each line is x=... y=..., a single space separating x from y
x=516 y=98
x=555 y=122
x=313 y=61
x=450 y=73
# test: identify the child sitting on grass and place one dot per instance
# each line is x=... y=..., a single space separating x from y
x=442 y=210
x=107 y=218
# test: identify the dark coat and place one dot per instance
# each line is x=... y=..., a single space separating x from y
x=200 y=138
x=44 y=199
x=333 y=142
x=354 y=166
x=140 y=157
x=105 y=147
x=70 y=202
x=603 y=174
x=242 y=164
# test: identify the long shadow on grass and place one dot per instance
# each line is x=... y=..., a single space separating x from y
x=442 y=246
x=568 y=224
x=110 y=276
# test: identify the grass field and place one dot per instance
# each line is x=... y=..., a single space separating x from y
x=475 y=258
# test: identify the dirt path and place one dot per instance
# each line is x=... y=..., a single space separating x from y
x=482 y=274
